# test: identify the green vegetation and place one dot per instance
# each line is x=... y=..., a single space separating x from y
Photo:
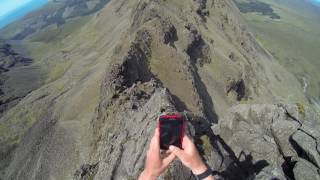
x=14 y=140
x=293 y=40
x=53 y=34
x=22 y=117
x=247 y=100
x=301 y=108
x=206 y=145
x=58 y=70
x=91 y=177
x=258 y=7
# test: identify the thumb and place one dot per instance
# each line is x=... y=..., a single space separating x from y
x=177 y=151
x=166 y=161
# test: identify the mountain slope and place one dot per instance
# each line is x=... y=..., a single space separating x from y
x=293 y=40
x=55 y=13
x=108 y=77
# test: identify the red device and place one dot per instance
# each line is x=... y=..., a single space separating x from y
x=172 y=127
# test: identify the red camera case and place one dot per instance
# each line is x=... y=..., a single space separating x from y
x=175 y=116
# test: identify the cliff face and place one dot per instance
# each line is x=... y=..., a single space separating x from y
x=109 y=77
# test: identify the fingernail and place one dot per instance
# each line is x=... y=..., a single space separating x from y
x=171 y=147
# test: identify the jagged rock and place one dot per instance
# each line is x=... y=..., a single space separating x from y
x=304 y=170
x=134 y=66
x=238 y=87
x=9 y=58
x=281 y=131
x=265 y=131
x=129 y=118
x=132 y=130
x=271 y=173
x=198 y=50
x=201 y=10
x=245 y=129
x=170 y=33
x=86 y=172
x=306 y=146
x=311 y=131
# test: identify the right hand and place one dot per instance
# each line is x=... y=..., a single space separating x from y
x=189 y=156
x=155 y=164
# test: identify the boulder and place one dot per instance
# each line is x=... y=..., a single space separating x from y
x=86 y=171
x=306 y=146
x=282 y=130
x=304 y=170
x=270 y=137
x=271 y=173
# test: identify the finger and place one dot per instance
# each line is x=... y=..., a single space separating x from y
x=187 y=139
x=165 y=151
x=156 y=139
x=157 y=133
x=165 y=154
x=186 y=142
x=177 y=151
x=166 y=161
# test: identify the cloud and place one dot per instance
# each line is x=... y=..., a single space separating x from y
x=7 y=6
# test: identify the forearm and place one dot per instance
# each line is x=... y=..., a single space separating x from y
x=146 y=176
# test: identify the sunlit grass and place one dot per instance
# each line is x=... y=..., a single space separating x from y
x=293 y=40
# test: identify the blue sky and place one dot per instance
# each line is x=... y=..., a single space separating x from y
x=316 y=2
x=12 y=10
x=7 y=6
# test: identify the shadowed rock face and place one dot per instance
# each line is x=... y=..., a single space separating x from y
x=114 y=74
x=10 y=59
x=277 y=139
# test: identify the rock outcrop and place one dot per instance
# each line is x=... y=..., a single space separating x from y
x=277 y=139
x=9 y=58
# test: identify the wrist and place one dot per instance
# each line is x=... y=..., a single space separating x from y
x=147 y=175
x=199 y=169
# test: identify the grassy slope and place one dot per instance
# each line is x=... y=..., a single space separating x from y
x=52 y=70
x=10 y=30
x=72 y=57
x=45 y=50
x=294 y=39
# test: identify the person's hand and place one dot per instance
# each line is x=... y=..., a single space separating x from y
x=155 y=164
x=189 y=156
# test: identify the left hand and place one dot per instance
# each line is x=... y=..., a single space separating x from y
x=155 y=164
